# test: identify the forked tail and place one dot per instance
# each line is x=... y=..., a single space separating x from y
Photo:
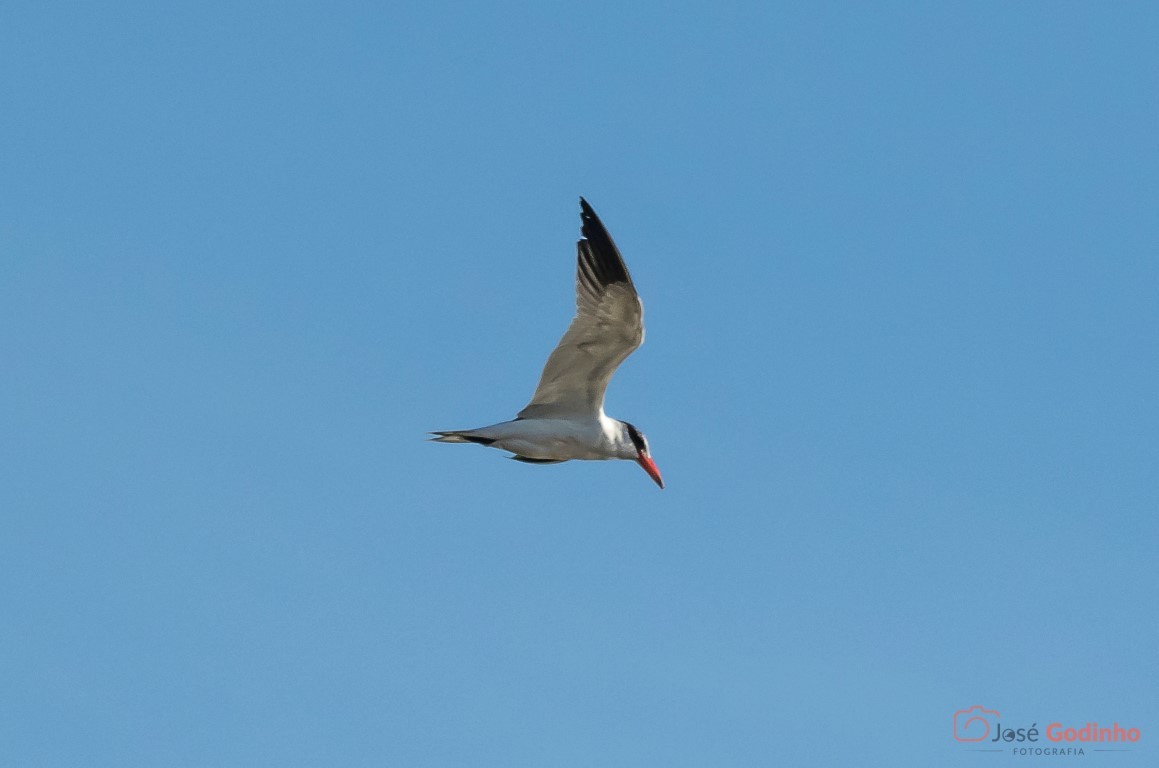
x=460 y=436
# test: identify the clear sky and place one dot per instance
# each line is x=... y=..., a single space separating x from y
x=900 y=264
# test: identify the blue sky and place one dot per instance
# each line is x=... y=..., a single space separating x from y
x=899 y=264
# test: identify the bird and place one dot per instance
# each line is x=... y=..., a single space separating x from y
x=565 y=419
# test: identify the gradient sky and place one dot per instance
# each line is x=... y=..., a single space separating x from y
x=900 y=264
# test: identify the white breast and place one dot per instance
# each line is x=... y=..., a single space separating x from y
x=559 y=439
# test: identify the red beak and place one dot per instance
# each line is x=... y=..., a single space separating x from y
x=650 y=467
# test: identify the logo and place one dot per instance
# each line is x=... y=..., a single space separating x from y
x=982 y=729
x=973 y=724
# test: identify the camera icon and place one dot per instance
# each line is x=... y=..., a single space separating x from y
x=973 y=724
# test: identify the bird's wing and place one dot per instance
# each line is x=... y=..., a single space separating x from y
x=608 y=326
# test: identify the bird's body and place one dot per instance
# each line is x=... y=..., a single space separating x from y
x=551 y=439
x=565 y=419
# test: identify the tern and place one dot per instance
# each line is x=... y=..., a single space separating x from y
x=565 y=419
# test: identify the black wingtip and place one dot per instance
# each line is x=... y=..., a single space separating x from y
x=590 y=225
x=604 y=260
x=588 y=214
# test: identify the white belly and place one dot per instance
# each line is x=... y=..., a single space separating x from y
x=557 y=439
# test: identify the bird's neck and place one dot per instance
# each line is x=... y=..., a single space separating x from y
x=616 y=434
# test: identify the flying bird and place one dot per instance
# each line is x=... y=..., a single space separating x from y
x=565 y=419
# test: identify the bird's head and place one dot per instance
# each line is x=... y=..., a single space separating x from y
x=636 y=448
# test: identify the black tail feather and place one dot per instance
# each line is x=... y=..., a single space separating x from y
x=529 y=460
x=460 y=437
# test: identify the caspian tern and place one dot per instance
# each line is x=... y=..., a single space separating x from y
x=565 y=419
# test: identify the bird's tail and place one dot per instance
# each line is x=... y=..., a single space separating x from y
x=460 y=436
